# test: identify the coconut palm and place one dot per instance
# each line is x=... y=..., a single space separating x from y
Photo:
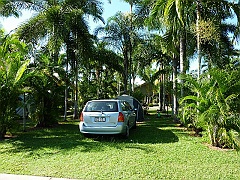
x=63 y=23
x=181 y=14
x=211 y=27
x=119 y=34
x=13 y=7
x=172 y=16
x=212 y=31
x=177 y=17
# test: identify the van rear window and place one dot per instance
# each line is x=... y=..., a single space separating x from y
x=101 y=106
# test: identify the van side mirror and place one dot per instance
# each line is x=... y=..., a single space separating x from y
x=134 y=109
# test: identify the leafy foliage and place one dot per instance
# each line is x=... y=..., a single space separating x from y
x=47 y=90
x=13 y=65
x=214 y=106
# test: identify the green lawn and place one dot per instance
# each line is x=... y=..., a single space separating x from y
x=157 y=149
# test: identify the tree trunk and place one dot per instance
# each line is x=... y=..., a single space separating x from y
x=133 y=81
x=164 y=93
x=66 y=93
x=198 y=40
x=182 y=58
x=175 y=105
x=98 y=80
x=75 y=114
x=160 y=93
x=24 y=112
x=130 y=50
x=125 y=73
x=41 y=113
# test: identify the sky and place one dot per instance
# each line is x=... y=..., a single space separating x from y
x=109 y=10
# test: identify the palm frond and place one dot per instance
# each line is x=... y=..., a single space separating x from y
x=20 y=71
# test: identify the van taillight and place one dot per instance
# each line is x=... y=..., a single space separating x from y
x=81 y=117
x=120 y=117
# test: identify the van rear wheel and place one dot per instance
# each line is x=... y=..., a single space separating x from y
x=126 y=134
x=86 y=135
x=135 y=124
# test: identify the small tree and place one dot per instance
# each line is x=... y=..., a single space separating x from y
x=13 y=65
x=47 y=90
x=214 y=106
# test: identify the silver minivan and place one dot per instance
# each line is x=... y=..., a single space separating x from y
x=110 y=116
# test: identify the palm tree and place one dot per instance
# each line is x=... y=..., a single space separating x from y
x=173 y=17
x=176 y=16
x=181 y=14
x=212 y=29
x=105 y=66
x=131 y=16
x=118 y=34
x=63 y=23
x=46 y=89
x=100 y=74
x=13 y=8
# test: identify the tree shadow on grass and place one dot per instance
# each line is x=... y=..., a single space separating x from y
x=152 y=131
x=66 y=136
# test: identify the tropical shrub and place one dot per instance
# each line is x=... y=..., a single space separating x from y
x=47 y=91
x=13 y=64
x=214 y=106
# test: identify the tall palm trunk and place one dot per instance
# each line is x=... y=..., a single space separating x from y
x=160 y=93
x=164 y=92
x=182 y=57
x=75 y=113
x=66 y=83
x=131 y=48
x=66 y=95
x=24 y=111
x=198 y=40
x=125 y=73
x=98 y=79
x=175 y=106
x=199 y=56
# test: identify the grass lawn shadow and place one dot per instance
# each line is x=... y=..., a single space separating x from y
x=63 y=136
x=154 y=130
x=150 y=131
x=66 y=136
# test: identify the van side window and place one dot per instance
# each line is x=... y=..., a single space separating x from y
x=126 y=106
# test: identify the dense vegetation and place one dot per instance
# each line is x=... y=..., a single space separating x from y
x=57 y=64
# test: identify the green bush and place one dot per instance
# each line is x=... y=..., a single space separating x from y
x=12 y=72
x=211 y=106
